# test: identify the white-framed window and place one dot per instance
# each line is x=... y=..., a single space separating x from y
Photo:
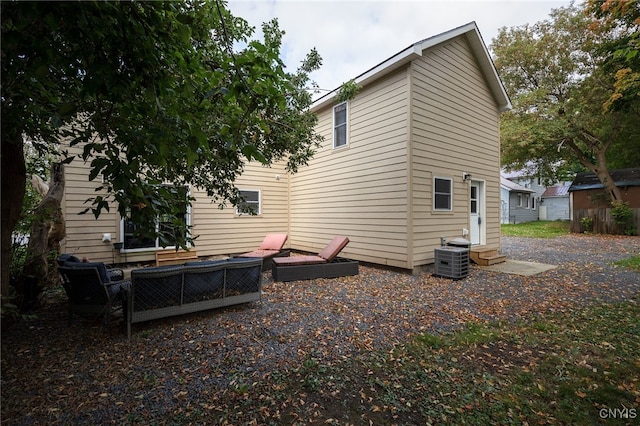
x=528 y=200
x=519 y=196
x=250 y=204
x=533 y=202
x=340 y=125
x=128 y=226
x=442 y=193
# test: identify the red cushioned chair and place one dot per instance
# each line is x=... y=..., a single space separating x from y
x=270 y=248
x=325 y=264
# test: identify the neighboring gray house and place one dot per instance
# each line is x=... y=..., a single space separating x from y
x=516 y=203
x=554 y=202
x=541 y=202
x=525 y=179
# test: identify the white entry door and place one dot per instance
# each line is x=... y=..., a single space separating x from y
x=475 y=212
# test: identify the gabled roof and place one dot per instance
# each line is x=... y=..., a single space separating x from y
x=512 y=186
x=555 y=191
x=472 y=34
x=516 y=174
x=622 y=177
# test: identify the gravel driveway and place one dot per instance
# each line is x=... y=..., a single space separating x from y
x=55 y=374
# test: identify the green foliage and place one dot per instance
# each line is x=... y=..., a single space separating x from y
x=554 y=368
x=632 y=263
x=18 y=258
x=557 y=75
x=621 y=212
x=10 y=312
x=622 y=48
x=623 y=217
x=155 y=92
x=348 y=91
x=587 y=224
x=38 y=164
x=536 y=229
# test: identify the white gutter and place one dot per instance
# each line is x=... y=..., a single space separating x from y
x=416 y=49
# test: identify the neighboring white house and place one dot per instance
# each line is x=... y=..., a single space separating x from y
x=413 y=158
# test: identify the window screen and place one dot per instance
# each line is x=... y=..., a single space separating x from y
x=442 y=194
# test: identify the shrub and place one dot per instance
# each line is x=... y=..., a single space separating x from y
x=623 y=217
x=587 y=224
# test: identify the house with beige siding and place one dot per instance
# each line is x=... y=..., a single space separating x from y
x=413 y=158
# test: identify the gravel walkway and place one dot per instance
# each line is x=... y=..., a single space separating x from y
x=55 y=374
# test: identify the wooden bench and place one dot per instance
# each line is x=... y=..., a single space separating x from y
x=172 y=257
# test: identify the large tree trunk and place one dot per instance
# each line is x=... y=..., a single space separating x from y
x=599 y=151
x=601 y=170
x=47 y=230
x=14 y=177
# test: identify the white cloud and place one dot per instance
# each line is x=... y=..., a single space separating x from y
x=353 y=36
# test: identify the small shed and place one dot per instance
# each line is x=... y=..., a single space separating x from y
x=554 y=203
x=588 y=200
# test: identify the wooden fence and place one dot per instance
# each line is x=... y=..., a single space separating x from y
x=602 y=221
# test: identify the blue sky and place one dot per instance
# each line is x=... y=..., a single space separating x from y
x=353 y=36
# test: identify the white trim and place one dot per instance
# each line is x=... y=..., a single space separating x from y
x=157 y=246
x=481 y=184
x=259 y=212
x=474 y=38
x=450 y=209
x=346 y=125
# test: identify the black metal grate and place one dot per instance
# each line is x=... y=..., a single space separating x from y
x=241 y=279
x=156 y=288
x=203 y=283
x=451 y=262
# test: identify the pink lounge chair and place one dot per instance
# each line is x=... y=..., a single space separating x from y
x=326 y=255
x=270 y=248
x=325 y=265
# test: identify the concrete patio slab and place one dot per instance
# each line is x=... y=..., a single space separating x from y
x=519 y=267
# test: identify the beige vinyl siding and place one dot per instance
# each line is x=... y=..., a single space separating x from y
x=223 y=232
x=455 y=129
x=220 y=232
x=359 y=191
x=83 y=231
x=432 y=117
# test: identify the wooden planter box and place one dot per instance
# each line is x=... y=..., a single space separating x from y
x=339 y=267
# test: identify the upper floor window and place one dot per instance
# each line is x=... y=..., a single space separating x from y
x=250 y=204
x=340 y=125
x=442 y=194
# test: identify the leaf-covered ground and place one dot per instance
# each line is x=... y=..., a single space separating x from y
x=320 y=351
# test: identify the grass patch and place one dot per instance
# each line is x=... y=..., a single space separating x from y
x=558 y=368
x=537 y=229
x=631 y=263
